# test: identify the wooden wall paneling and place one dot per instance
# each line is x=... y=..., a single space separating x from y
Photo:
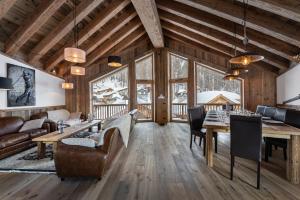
x=191 y=83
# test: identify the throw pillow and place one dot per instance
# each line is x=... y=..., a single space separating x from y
x=75 y=115
x=32 y=124
x=85 y=142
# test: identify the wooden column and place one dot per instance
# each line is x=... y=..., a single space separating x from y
x=191 y=84
x=292 y=168
x=132 y=82
x=161 y=85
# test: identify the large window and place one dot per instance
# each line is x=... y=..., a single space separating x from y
x=110 y=94
x=214 y=92
x=178 y=86
x=144 y=87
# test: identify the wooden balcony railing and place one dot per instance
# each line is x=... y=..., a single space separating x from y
x=110 y=110
x=144 y=111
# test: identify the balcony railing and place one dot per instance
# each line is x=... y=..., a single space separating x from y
x=110 y=110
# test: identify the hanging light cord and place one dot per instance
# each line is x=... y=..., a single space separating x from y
x=245 y=41
x=75 y=27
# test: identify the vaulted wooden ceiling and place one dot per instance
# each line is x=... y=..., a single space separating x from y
x=37 y=31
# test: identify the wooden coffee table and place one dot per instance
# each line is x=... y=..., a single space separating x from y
x=54 y=137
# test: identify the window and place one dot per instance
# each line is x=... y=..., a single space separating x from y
x=215 y=92
x=178 y=86
x=110 y=94
x=144 y=87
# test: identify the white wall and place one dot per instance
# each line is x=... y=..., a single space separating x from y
x=288 y=85
x=48 y=87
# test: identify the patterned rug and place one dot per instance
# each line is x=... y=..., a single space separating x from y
x=28 y=159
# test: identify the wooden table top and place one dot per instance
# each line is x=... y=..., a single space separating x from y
x=268 y=130
x=55 y=136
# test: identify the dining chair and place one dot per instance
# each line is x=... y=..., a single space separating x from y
x=246 y=139
x=196 y=117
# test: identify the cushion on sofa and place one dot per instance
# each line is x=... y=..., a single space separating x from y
x=12 y=139
x=280 y=114
x=98 y=137
x=32 y=124
x=269 y=112
x=56 y=115
x=75 y=115
x=10 y=125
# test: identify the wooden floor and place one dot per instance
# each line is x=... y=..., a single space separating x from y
x=160 y=165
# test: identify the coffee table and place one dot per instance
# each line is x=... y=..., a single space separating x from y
x=54 y=137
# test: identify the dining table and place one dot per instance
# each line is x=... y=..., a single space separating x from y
x=219 y=121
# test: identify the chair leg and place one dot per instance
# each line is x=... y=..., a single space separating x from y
x=270 y=150
x=191 y=141
x=258 y=175
x=200 y=141
x=216 y=143
x=267 y=151
x=231 y=167
x=204 y=146
x=284 y=153
x=194 y=138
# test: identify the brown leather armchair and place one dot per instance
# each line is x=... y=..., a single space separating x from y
x=78 y=161
x=11 y=140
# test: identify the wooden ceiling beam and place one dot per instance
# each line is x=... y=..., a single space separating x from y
x=256 y=38
x=147 y=12
x=186 y=27
x=222 y=51
x=100 y=20
x=5 y=5
x=63 y=28
x=32 y=24
x=131 y=28
x=257 y=20
x=289 y=9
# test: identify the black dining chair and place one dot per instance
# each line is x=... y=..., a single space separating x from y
x=246 y=138
x=196 y=117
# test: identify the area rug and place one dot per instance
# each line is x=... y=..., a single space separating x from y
x=27 y=161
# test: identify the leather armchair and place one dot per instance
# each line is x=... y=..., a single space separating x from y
x=78 y=161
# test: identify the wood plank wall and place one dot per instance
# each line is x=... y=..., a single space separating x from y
x=259 y=87
x=25 y=113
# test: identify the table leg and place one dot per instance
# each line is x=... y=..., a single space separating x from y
x=41 y=149
x=292 y=168
x=54 y=147
x=209 y=147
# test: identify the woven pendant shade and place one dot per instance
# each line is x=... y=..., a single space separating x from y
x=77 y=70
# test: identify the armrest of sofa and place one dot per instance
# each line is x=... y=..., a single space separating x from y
x=46 y=126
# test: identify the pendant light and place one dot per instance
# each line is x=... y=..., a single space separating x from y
x=114 y=61
x=5 y=83
x=247 y=57
x=74 y=54
x=77 y=70
x=67 y=86
x=230 y=77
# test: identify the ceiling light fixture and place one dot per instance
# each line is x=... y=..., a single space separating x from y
x=74 y=54
x=67 y=86
x=247 y=57
x=77 y=70
x=114 y=61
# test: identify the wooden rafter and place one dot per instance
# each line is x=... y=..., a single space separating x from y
x=259 y=21
x=31 y=25
x=147 y=12
x=216 y=47
x=5 y=5
x=64 y=27
x=288 y=8
x=256 y=38
x=132 y=28
x=100 y=20
x=188 y=27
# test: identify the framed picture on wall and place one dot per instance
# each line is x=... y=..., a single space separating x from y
x=23 y=80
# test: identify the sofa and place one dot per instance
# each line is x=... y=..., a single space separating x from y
x=288 y=116
x=44 y=115
x=80 y=161
x=12 y=141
